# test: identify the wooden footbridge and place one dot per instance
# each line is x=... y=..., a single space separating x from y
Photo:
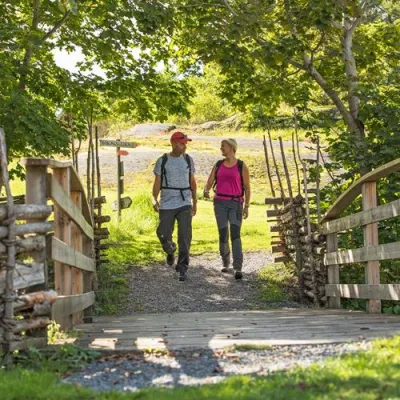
x=67 y=245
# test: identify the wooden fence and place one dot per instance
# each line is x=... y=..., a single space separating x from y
x=35 y=293
x=372 y=252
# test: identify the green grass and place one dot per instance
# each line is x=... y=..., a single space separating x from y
x=276 y=282
x=369 y=375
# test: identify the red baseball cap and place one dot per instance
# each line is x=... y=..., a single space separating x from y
x=180 y=137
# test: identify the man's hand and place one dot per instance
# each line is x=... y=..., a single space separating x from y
x=206 y=194
x=245 y=212
x=194 y=209
x=156 y=205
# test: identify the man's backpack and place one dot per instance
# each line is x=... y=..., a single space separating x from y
x=240 y=167
x=164 y=180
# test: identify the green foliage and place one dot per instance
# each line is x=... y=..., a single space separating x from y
x=61 y=360
x=123 y=47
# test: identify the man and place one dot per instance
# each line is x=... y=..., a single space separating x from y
x=174 y=177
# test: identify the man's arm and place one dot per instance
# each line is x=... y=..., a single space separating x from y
x=156 y=192
x=247 y=192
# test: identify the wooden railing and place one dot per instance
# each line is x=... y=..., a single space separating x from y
x=372 y=252
x=71 y=246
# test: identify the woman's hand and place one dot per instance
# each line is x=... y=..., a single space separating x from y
x=206 y=194
x=245 y=211
x=194 y=209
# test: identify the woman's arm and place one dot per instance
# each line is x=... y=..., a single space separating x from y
x=247 y=191
x=209 y=183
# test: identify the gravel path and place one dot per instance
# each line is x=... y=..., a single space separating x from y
x=206 y=289
x=134 y=371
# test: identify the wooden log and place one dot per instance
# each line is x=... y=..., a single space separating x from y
x=275 y=228
x=278 y=242
x=28 y=300
x=101 y=237
x=310 y=294
x=103 y=246
x=25 y=275
x=333 y=271
x=279 y=249
x=273 y=213
x=282 y=259
x=273 y=200
x=27 y=211
x=30 y=324
x=101 y=231
x=27 y=245
x=29 y=228
x=295 y=212
x=102 y=219
x=99 y=200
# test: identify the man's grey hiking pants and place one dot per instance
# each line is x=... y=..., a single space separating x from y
x=229 y=215
x=183 y=216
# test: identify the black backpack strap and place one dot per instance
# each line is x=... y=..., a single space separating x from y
x=189 y=164
x=240 y=167
x=163 y=173
x=217 y=165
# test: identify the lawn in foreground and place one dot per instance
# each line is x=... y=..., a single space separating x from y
x=369 y=375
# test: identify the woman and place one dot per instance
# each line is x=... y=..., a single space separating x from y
x=231 y=180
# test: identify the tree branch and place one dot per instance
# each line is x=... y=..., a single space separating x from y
x=57 y=26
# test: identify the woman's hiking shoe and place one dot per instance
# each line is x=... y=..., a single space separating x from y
x=225 y=270
x=238 y=275
x=170 y=259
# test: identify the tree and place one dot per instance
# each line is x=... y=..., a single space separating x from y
x=126 y=40
x=285 y=49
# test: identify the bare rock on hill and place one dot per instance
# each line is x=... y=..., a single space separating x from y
x=234 y=122
x=147 y=129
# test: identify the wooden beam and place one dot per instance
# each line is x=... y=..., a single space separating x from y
x=32 y=227
x=376 y=214
x=27 y=342
x=372 y=272
x=282 y=259
x=275 y=229
x=347 y=197
x=333 y=269
x=273 y=213
x=63 y=200
x=62 y=253
x=68 y=305
x=381 y=252
x=45 y=162
x=373 y=292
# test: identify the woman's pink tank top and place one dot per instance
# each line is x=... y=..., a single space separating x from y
x=228 y=183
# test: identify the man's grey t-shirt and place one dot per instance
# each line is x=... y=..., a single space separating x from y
x=177 y=172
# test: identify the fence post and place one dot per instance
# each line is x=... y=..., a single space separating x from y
x=333 y=270
x=77 y=244
x=62 y=231
x=372 y=273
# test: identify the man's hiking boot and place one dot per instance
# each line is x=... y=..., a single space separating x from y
x=182 y=273
x=238 y=275
x=225 y=268
x=170 y=259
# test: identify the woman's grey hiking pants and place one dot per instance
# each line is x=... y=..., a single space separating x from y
x=183 y=216
x=229 y=215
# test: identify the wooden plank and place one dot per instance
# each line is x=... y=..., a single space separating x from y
x=77 y=245
x=282 y=259
x=347 y=197
x=374 y=292
x=25 y=275
x=333 y=270
x=27 y=342
x=62 y=231
x=381 y=252
x=45 y=162
x=279 y=249
x=76 y=186
x=62 y=199
x=63 y=253
x=376 y=214
x=65 y=306
x=372 y=272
